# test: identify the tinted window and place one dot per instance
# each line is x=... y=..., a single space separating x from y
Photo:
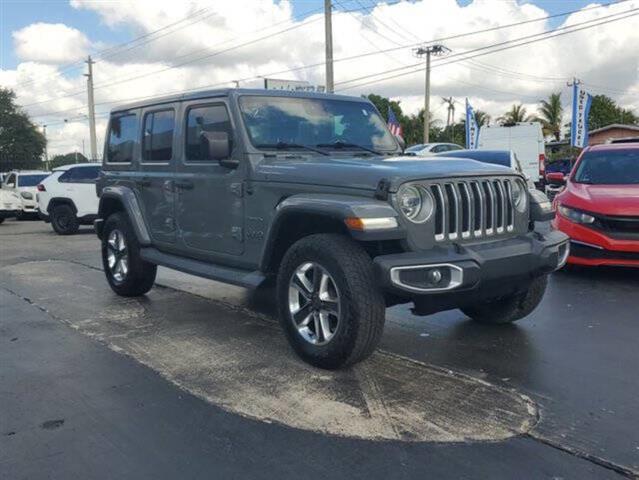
x=319 y=122
x=158 y=136
x=123 y=135
x=80 y=175
x=612 y=167
x=199 y=122
x=30 y=180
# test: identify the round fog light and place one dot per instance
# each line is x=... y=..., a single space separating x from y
x=435 y=276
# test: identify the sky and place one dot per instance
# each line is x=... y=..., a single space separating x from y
x=43 y=45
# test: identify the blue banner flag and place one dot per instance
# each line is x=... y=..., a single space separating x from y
x=472 y=129
x=581 y=101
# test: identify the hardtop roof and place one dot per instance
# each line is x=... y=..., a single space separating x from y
x=203 y=94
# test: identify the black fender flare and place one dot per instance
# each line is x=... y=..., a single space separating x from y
x=336 y=207
x=130 y=205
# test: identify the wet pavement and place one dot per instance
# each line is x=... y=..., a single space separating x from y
x=195 y=380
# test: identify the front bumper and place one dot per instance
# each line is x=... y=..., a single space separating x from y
x=592 y=247
x=470 y=273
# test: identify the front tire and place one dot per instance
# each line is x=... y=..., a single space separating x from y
x=127 y=274
x=511 y=308
x=330 y=307
x=64 y=220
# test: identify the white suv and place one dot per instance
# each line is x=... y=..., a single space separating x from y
x=20 y=191
x=68 y=199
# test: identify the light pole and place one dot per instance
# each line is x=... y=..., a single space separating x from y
x=46 y=152
x=436 y=50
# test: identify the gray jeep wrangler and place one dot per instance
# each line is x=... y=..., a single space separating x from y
x=313 y=191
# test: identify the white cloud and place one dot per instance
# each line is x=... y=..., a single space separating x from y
x=201 y=55
x=52 y=43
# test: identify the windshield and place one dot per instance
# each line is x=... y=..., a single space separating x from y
x=415 y=148
x=30 y=180
x=314 y=122
x=612 y=167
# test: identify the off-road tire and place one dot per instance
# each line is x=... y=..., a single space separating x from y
x=362 y=305
x=141 y=274
x=511 y=308
x=63 y=220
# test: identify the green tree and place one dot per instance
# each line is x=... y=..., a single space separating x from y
x=517 y=113
x=21 y=143
x=604 y=111
x=482 y=118
x=550 y=115
x=67 y=159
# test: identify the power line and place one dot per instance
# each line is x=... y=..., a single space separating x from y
x=366 y=54
x=506 y=45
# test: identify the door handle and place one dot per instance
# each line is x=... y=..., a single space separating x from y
x=143 y=182
x=184 y=184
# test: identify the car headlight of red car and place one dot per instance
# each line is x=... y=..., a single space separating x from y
x=575 y=215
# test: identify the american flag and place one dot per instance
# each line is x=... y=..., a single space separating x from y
x=393 y=124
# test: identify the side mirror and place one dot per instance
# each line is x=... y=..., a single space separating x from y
x=401 y=141
x=218 y=146
x=556 y=178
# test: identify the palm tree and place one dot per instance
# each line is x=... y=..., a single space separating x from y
x=551 y=113
x=482 y=118
x=517 y=113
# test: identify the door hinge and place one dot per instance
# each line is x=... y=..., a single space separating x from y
x=236 y=233
x=237 y=189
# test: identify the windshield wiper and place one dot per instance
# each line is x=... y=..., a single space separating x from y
x=340 y=144
x=287 y=145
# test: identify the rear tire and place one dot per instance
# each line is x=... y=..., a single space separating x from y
x=511 y=308
x=64 y=220
x=1 y=219
x=330 y=307
x=127 y=274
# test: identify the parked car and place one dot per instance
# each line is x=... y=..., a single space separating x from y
x=599 y=208
x=67 y=198
x=20 y=189
x=505 y=158
x=426 y=149
x=526 y=139
x=9 y=204
x=241 y=185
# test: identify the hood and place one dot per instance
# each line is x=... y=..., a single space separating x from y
x=619 y=200
x=366 y=172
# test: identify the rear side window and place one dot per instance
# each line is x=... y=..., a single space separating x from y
x=157 y=145
x=123 y=135
x=200 y=121
x=80 y=175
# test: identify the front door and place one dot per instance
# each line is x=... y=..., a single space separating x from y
x=209 y=202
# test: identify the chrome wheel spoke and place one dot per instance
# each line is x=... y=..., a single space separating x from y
x=314 y=303
x=117 y=258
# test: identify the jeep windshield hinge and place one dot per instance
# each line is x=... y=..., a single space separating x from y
x=381 y=192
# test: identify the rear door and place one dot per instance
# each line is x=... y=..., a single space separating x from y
x=79 y=186
x=157 y=166
x=209 y=202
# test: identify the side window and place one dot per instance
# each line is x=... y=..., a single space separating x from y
x=437 y=149
x=157 y=144
x=199 y=122
x=80 y=175
x=123 y=135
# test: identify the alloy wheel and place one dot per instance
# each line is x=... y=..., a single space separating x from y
x=314 y=303
x=117 y=255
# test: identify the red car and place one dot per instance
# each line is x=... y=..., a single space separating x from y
x=599 y=208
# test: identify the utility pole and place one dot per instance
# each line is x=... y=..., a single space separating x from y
x=328 y=33
x=94 y=146
x=436 y=50
x=46 y=152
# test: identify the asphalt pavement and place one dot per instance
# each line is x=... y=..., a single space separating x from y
x=195 y=381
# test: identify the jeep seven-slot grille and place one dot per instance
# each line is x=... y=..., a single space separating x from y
x=467 y=209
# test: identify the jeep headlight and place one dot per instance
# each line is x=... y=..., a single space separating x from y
x=575 y=215
x=415 y=203
x=520 y=196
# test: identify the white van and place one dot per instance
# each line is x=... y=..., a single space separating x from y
x=526 y=139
